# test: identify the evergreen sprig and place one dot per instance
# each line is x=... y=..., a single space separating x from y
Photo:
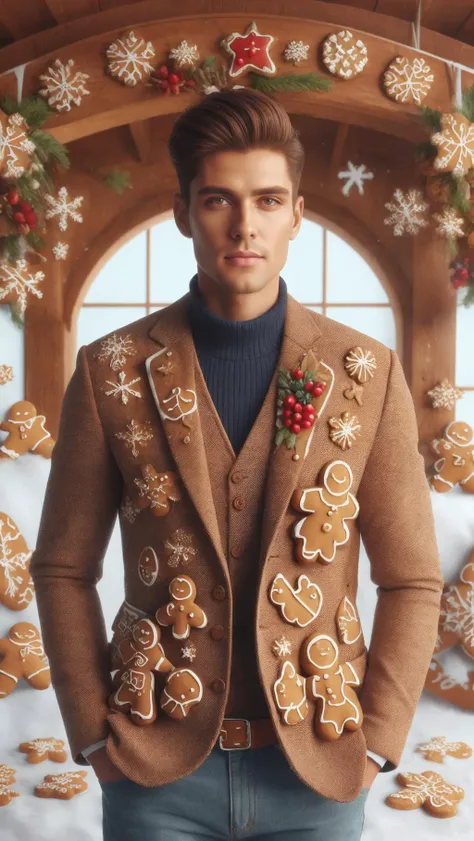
x=467 y=107
x=11 y=248
x=34 y=109
x=468 y=299
x=117 y=180
x=291 y=82
x=49 y=149
x=431 y=118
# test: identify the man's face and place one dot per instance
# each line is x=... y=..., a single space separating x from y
x=241 y=201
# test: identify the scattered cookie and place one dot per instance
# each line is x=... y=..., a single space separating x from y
x=22 y=656
x=26 y=432
x=344 y=430
x=182 y=612
x=7 y=779
x=16 y=585
x=439 y=747
x=429 y=790
x=456 y=618
x=40 y=749
x=62 y=786
x=456 y=463
x=6 y=374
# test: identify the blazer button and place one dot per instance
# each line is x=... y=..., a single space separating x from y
x=239 y=502
x=218 y=593
x=236 y=551
x=217 y=632
x=218 y=685
x=238 y=477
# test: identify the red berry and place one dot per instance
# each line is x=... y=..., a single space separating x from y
x=19 y=217
x=307 y=424
x=289 y=401
x=295 y=427
x=297 y=417
x=24 y=206
x=307 y=408
x=297 y=374
x=13 y=197
x=162 y=72
x=287 y=422
x=298 y=407
x=239 y=61
x=287 y=413
x=463 y=274
x=310 y=416
x=173 y=78
x=317 y=390
x=309 y=386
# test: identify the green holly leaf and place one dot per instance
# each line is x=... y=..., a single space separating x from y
x=280 y=436
x=300 y=394
x=291 y=440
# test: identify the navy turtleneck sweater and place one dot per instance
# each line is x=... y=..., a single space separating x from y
x=237 y=359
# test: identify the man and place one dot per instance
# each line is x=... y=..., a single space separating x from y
x=265 y=437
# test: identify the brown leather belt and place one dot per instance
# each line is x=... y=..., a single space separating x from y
x=242 y=734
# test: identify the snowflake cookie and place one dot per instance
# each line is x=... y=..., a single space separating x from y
x=344 y=430
x=408 y=81
x=17 y=282
x=179 y=548
x=128 y=59
x=62 y=786
x=64 y=208
x=60 y=250
x=16 y=584
x=63 y=86
x=456 y=618
x=136 y=435
x=188 y=652
x=444 y=395
x=184 y=55
x=455 y=143
x=360 y=364
x=6 y=374
x=439 y=747
x=406 y=212
x=282 y=647
x=428 y=790
x=344 y=54
x=15 y=147
x=296 y=51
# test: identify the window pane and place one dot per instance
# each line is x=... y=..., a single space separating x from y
x=94 y=322
x=377 y=322
x=465 y=408
x=303 y=270
x=172 y=264
x=349 y=277
x=123 y=278
x=464 y=346
x=12 y=353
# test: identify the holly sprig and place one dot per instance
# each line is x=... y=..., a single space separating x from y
x=290 y=385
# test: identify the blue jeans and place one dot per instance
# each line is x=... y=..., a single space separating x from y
x=238 y=794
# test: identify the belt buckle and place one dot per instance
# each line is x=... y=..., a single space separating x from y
x=236 y=735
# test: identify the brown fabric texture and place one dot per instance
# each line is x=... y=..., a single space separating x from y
x=237 y=513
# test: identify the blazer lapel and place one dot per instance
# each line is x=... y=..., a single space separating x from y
x=171 y=374
x=299 y=349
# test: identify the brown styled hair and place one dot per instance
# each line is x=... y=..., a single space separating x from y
x=236 y=119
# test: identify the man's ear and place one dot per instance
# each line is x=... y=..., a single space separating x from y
x=181 y=215
x=297 y=217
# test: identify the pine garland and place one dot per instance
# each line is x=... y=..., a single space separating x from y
x=34 y=109
x=117 y=180
x=49 y=149
x=291 y=82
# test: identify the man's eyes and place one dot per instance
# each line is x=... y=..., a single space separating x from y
x=217 y=199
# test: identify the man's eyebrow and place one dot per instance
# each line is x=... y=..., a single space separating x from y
x=259 y=191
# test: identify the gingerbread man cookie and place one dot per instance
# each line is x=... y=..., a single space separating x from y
x=140 y=656
x=348 y=622
x=183 y=690
x=298 y=606
x=429 y=790
x=62 y=786
x=40 y=749
x=26 y=432
x=16 y=584
x=330 y=685
x=182 y=612
x=456 y=618
x=289 y=691
x=439 y=747
x=456 y=465
x=122 y=627
x=156 y=490
x=22 y=655
x=318 y=535
x=7 y=779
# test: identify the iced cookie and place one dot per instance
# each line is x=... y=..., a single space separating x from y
x=26 y=432
x=428 y=790
x=16 y=585
x=38 y=750
x=439 y=747
x=456 y=463
x=183 y=690
x=22 y=656
x=182 y=612
x=62 y=786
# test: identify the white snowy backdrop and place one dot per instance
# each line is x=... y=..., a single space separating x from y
x=28 y=714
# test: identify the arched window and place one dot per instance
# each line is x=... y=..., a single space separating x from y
x=154 y=268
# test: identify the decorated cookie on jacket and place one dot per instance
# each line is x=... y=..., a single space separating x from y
x=38 y=750
x=7 y=779
x=22 y=656
x=122 y=627
x=429 y=790
x=140 y=656
x=182 y=612
x=330 y=685
x=16 y=585
x=328 y=507
x=62 y=786
x=348 y=622
x=456 y=463
x=26 y=432
x=438 y=747
x=456 y=618
x=156 y=490
x=298 y=605
x=183 y=690
x=289 y=691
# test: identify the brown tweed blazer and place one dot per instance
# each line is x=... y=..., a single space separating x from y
x=107 y=434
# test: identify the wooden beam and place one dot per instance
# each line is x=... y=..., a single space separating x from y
x=66 y=10
x=141 y=133
x=29 y=18
x=339 y=145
